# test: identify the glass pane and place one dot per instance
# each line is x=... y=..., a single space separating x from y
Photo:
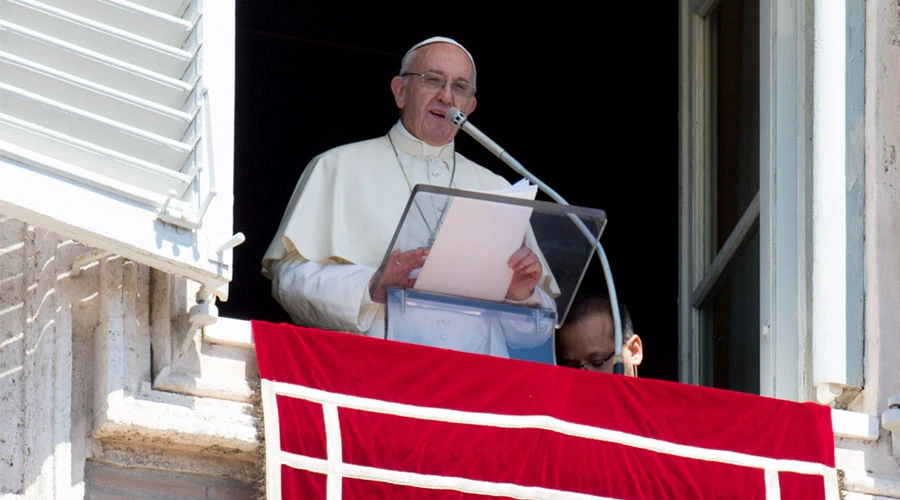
x=731 y=343
x=736 y=173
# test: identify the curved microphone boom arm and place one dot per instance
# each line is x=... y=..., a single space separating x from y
x=459 y=120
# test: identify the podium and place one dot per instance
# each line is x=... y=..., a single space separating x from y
x=458 y=301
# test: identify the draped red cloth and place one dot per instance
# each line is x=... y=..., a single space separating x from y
x=348 y=416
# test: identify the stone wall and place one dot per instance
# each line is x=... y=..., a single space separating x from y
x=79 y=413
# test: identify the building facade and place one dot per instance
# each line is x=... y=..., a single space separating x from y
x=118 y=378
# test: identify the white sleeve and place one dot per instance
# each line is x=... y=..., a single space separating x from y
x=330 y=296
x=522 y=334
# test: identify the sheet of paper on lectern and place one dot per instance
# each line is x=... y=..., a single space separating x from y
x=470 y=256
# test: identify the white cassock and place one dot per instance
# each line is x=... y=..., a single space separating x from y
x=344 y=210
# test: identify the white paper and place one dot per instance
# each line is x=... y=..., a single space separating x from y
x=470 y=256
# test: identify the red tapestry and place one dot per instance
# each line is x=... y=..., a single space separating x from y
x=348 y=416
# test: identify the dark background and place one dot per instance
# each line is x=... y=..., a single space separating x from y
x=584 y=96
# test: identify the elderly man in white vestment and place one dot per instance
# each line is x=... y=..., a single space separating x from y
x=349 y=200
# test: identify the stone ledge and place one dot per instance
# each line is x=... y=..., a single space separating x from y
x=229 y=331
x=854 y=425
x=108 y=480
x=879 y=486
x=191 y=434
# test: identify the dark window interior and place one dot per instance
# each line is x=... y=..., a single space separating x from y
x=586 y=98
x=735 y=310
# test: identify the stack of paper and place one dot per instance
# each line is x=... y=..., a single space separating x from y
x=470 y=256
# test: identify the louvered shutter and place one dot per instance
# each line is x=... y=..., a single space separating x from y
x=116 y=127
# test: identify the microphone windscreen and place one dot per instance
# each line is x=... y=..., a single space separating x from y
x=455 y=117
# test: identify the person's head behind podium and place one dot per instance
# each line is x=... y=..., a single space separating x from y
x=587 y=338
x=435 y=75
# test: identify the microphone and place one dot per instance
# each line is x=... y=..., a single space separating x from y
x=459 y=120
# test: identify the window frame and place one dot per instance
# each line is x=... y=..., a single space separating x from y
x=779 y=210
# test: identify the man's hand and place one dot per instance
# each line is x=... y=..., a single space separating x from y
x=527 y=271
x=396 y=272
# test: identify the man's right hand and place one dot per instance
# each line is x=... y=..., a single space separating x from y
x=396 y=272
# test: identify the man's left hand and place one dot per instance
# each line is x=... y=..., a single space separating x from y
x=527 y=271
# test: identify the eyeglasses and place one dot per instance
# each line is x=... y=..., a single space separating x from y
x=435 y=82
x=594 y=365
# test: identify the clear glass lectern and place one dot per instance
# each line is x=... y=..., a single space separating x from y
x=459 y=298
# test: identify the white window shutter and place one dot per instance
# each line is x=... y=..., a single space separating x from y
x=117 y=127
